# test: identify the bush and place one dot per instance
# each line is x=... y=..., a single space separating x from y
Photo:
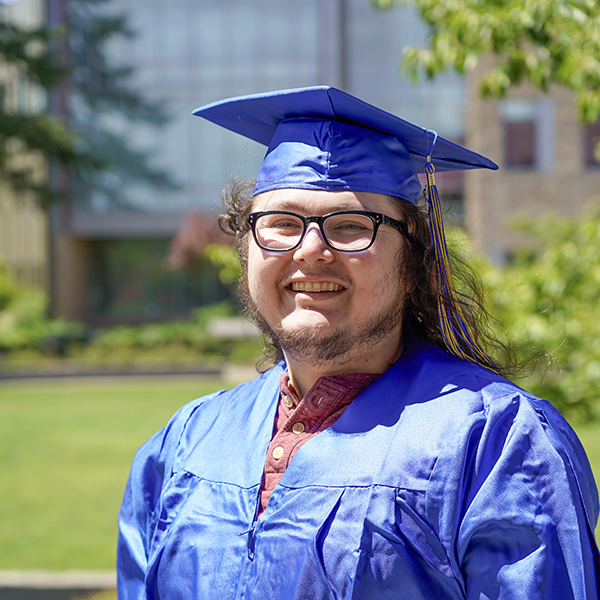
x=24 y=322
x=25 y=330
x=548 y=298
x=8 y=288
x=191 y=334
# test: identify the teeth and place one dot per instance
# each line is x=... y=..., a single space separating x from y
x=315 y=287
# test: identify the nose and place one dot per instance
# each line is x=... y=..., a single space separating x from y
x=313 y=246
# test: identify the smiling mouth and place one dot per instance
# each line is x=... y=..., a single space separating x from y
x=298 y=286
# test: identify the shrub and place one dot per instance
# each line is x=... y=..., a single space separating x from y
x=548 y=298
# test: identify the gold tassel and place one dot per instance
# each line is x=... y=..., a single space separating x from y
x=455 y=330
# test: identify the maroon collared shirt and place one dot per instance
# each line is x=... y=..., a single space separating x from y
x=299 y=420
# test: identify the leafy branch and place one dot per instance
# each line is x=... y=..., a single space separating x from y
x=543 y=42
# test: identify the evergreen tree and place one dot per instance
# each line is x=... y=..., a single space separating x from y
x=28 y=135
x=96 y=157
x=102 y=100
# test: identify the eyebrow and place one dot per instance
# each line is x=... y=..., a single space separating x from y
x=293 y=205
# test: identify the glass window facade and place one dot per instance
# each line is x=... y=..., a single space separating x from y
x=190 y=52
x=132 y=282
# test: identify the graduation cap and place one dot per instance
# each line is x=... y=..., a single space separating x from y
x=325 y=139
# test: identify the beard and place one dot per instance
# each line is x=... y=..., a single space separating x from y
x=315 y=346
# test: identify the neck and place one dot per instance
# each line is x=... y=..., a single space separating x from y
x=305 y=371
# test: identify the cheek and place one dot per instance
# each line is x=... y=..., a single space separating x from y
x=262 y=277
x=255 y=276
x=381 y=276
x=378 y=266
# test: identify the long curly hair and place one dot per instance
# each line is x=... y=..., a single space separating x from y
x=419 y=273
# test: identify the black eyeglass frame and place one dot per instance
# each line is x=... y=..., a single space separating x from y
x=377 y=218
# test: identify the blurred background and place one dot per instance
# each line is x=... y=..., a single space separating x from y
x=94 y=210
x=111 y=261
x=137 y=70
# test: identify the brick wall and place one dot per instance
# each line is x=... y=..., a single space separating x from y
x=561 y=183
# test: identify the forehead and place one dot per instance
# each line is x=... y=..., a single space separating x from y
x=316 y=202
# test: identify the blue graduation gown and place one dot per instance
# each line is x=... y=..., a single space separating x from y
x=440 y=480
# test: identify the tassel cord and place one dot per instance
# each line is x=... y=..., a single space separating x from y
x=454 y=328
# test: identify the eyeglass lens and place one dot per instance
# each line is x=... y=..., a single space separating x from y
x=343 y=231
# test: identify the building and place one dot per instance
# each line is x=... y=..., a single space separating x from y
x=546 y=158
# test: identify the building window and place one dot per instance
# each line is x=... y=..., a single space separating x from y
x=519 y=144
x=132 y=283
x=528 y=133
x=592 y=145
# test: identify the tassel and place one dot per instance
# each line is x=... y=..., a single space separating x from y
x=455 y=330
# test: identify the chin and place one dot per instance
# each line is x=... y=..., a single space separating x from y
x=309 y=320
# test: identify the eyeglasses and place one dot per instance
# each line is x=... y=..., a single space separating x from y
x=346 y=231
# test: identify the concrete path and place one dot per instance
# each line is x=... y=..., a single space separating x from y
x=54 y=585
x=80 y=580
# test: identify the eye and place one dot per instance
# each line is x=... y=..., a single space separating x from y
x=280 y=224
x=349 y=224
x=284 y=222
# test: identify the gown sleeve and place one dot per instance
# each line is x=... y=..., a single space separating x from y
x=528 y=508
x=152 y=467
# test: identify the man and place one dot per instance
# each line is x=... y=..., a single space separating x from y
x=384 y=456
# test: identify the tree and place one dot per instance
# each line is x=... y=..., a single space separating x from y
x=28 y=134
x=543 y=42
x=102 y=93
x=96 y=158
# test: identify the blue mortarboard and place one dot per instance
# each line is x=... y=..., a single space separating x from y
x=323 y=138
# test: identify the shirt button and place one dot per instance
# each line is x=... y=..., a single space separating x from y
x=298 y=428
x=288 y=401
x=278 y=452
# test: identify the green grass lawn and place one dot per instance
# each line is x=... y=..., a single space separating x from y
x=65 y=452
